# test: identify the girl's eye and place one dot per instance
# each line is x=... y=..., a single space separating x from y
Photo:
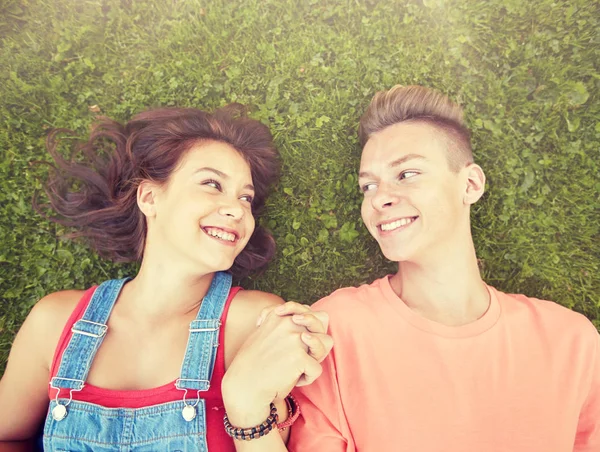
x=247 y=198
x=212 y=183
x=407 y=174
x=368 y=187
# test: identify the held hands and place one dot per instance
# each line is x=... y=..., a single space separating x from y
x=284 y=351
x=318 y=343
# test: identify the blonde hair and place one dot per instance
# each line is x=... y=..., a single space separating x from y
x=419 y=104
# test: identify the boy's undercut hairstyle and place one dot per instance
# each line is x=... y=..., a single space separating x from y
x=424 y=105
x=95 y=191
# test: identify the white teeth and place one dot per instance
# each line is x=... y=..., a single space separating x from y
x=396 y=224
x=221 y=234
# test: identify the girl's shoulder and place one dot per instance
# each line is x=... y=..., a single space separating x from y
x=247 y=306
x=56 y=306
x=244 y=311
x=48 y=318
x=255 y=300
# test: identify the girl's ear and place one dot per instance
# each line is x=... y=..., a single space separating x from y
x=146 y=197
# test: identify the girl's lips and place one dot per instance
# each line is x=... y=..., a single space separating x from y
x=224 y=229
x=228 y=236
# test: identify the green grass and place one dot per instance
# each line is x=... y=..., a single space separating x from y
x=526 y=72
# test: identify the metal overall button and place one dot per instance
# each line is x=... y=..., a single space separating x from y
x=189 y=411
x=59 y=412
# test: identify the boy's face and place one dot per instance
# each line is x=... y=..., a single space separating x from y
x=414 y=205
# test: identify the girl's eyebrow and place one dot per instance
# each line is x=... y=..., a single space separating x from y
x=221 y=174
x=212 y=170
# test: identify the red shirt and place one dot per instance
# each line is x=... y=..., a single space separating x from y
x=216 y=437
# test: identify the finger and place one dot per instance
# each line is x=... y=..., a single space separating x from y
x=312 y=371
x=319 y=345
x=263 y=315
x=324 y=318
x=315 y=321
x=290 y=308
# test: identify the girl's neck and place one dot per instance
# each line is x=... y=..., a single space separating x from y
x=161 y=289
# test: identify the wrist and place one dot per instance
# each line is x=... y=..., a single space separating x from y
x=245 y=416
x=254 y=432
x=244 y=407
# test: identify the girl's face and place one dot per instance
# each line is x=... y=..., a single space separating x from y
x=203 y=214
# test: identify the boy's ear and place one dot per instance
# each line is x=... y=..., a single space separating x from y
x=475 y=187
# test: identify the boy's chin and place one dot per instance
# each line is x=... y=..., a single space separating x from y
x=399 y=255
x=395 y=256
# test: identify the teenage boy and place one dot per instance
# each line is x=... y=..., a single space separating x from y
x=431 y=358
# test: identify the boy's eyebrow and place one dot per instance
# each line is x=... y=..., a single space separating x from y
x=406 y=158
x=221 y=174
x=396 y=162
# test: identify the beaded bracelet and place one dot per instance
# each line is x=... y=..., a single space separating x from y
x=246 y=434
x=293 y=413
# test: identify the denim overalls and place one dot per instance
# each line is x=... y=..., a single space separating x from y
x=173 y=426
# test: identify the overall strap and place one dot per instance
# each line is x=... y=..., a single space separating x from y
x=203 y=341
x=88 y=334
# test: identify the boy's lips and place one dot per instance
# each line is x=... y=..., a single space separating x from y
x=390 y=226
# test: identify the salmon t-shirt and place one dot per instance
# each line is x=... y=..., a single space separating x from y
x=525 y=377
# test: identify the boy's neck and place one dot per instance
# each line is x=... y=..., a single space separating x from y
x=446 y=289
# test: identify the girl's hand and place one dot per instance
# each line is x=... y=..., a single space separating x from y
x=284 y=351
x=319 y=344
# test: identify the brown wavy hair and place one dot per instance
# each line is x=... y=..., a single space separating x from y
x=95 y=191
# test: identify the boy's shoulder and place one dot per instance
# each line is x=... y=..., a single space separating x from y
x=545 y=314
x=351 y=297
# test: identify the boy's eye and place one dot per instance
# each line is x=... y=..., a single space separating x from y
x=407 y=174
x=368 y=187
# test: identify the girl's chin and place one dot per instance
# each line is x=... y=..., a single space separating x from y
x=201 y=266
